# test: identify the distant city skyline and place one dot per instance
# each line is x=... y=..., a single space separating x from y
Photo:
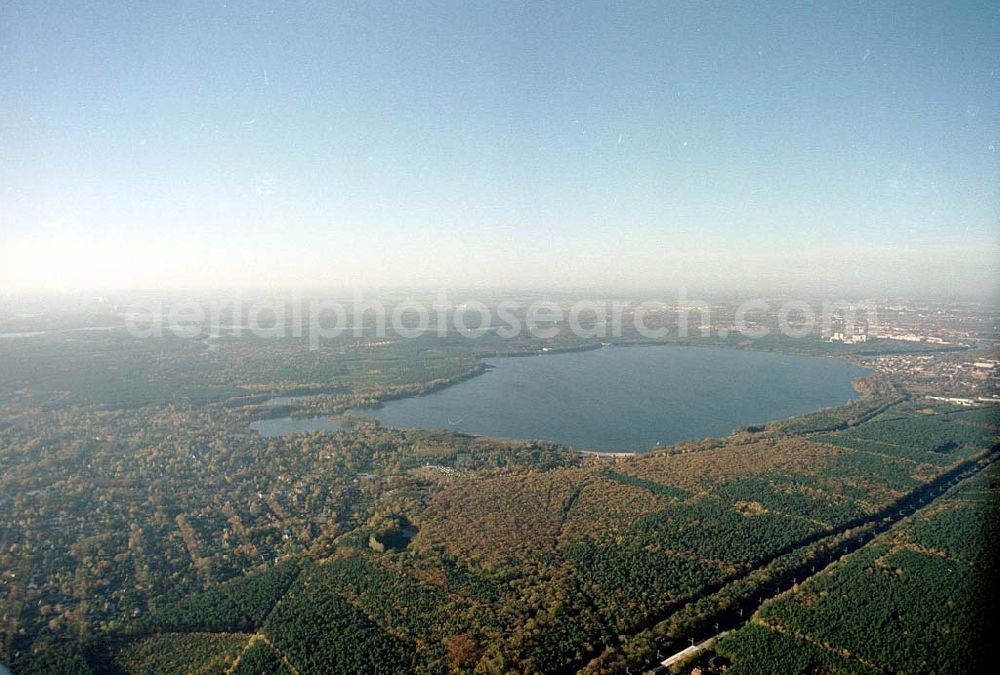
x=598 y=145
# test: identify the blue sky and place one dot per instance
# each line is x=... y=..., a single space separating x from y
x=607 y=144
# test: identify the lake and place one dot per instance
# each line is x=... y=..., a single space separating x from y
x=628 y=398
x=624 y=398
x=283 y=426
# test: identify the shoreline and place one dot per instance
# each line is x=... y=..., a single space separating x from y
x=482 y=367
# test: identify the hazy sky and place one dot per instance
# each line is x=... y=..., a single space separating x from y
x=617 y=144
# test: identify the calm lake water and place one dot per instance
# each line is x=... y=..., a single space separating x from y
x=628 y=398
x=625 y=398
x=282 y=426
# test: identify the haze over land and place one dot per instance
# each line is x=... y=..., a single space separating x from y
x=840 y=148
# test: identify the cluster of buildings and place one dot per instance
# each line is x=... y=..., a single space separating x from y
x=911 y=337
x=949 y=377
x=934 y=323
x=858 y=335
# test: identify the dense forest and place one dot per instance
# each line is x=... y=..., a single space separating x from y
x=914 y=599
